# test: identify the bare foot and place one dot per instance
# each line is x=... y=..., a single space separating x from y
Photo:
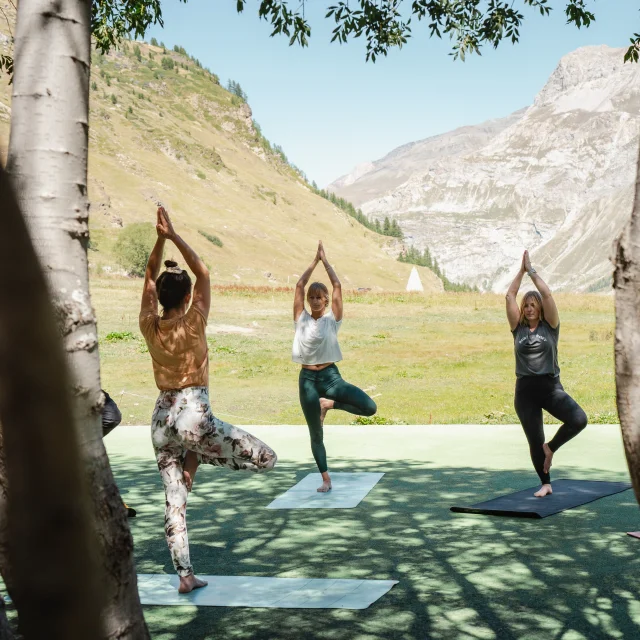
x=325 y=405
x=189 y=583
x=189 y=469
x=548 y=456
x=326 y=483
x=545 y=490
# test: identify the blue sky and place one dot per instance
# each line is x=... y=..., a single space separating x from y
x=330 y=110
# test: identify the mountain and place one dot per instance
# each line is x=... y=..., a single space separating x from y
x=163 y=129
x=369 y=180
x=556 y=178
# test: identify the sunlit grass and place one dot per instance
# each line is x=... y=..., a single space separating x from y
x=445 y=358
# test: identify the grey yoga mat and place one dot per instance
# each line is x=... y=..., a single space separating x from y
x=349 y=489
x=252 y=591
x=566 y=495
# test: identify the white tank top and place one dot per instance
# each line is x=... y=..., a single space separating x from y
x=316 y=341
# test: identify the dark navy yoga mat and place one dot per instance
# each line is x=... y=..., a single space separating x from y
x=566 y=495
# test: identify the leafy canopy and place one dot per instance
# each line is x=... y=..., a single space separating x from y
x=470 y=24
x=384 y=24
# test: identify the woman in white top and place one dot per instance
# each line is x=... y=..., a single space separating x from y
x=315 y=347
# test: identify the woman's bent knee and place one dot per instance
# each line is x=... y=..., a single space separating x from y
x=268 y=460
x=581 y=420
x=370 y=408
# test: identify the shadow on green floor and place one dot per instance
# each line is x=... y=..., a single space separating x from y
x=571 y=576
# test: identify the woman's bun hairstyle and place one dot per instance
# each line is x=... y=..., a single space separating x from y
x=172 y=286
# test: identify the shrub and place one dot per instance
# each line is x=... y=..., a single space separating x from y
x=201 y=175
x=377 y=419
x=154 y=42
x=137 y=53
x=167 y=63
x=211 y=238
x=114 y=99
x=130 y=110
x=134 y=246
x=117 y=336
x=94 y=86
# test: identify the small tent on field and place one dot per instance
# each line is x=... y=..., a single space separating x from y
x=414 y=283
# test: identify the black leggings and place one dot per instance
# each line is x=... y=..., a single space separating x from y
x=111 y=416
x=535 y=393
x=328 y=383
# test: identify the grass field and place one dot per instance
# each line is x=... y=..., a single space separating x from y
x=441 y=358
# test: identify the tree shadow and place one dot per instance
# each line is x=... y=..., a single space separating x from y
x=572 y=575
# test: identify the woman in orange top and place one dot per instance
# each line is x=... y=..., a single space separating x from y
x=183 y=429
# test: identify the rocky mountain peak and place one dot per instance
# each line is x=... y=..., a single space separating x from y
x=594 y=70
x=557 y=179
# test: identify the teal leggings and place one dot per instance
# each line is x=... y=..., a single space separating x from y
x=329 y=384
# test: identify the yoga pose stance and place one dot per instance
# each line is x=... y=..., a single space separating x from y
x=315 y=347
x=184 y=432
x=535 y=327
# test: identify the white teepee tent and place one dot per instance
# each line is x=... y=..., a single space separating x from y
x=414 y=283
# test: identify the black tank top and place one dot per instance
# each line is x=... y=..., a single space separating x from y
x=536 y=351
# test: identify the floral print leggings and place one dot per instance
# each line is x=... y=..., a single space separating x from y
x=182 y=420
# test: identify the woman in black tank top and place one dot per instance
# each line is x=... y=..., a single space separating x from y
x=535 y=327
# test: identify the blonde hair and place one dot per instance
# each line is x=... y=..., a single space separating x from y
x=318 y=286
x=528 y=296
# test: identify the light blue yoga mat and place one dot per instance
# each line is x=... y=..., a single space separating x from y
x=349 y=489
x=274 y=593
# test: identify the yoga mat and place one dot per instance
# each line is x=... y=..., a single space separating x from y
x=634 y=534
x=566 y=495
x=349 y=489
x=274 y=593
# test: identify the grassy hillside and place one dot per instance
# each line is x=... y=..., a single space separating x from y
x=162 y=129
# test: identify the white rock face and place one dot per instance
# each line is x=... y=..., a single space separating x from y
x=556 y=178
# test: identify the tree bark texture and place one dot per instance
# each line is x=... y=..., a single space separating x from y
x=47 y=161
x=55 y=585
x=626 y=283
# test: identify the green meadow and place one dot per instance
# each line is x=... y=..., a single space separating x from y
x=441 y=358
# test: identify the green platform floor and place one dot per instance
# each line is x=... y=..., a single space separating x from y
x=572 y=576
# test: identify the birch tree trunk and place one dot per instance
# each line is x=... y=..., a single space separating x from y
x=55 y=584
x=48 y=163
x=626 y=283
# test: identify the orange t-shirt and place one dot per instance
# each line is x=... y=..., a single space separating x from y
x=178 y=349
